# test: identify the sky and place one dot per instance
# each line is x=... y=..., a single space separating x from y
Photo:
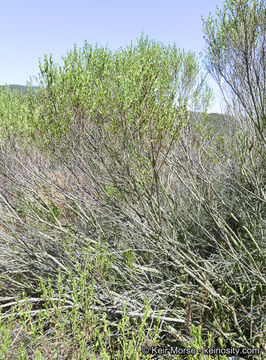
x=31 y=28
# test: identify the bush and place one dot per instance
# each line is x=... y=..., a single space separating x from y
x=121 y=213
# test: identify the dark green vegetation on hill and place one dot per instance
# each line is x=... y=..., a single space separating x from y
x=15 y=87
x=128 y=216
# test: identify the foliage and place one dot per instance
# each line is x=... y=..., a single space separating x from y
x=236 y=57
x=125 y=219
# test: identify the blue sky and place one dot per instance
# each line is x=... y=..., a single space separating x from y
x=31 y=28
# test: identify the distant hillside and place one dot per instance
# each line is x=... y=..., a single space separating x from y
x=220 y=122
x=21 y=88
